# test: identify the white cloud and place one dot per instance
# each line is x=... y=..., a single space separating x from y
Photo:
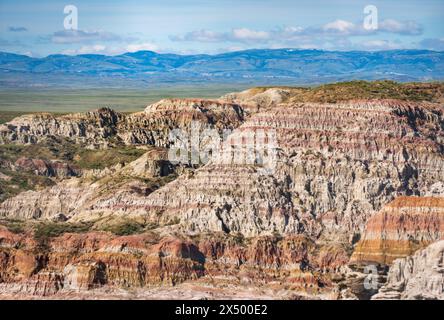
x=98 y=49
x=334 y=34
x=245 y=34
x=379 y=45
x=112 y=50
x=83 y=36
x=341 y=26
x=141 y=46
x=235 y=35
x=199 y=36
x=400 y=27
x=385 y=26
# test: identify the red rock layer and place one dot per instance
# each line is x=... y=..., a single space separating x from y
x=92 y=260
x=399 y=229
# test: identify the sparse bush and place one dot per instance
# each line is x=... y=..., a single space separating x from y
x=15 y=226
x=46 y=230
x=239 y=238
x=100 y=159
x=126 y=228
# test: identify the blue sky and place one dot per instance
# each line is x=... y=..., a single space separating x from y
x=207 y=26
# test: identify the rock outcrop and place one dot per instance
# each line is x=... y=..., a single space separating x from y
x=92 y=128
x=95 y=194
x=259 y=99
x=416 y=277
x=402 y=227
x=82 y=262
x=336 y=165
x=103 y=127
x=88 y=261
x=335 y=174
x=153 y=125
x=46 y=167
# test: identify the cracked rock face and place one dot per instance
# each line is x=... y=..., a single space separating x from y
x=92 y=128
x=417 y=277
x=228 y=199
x=114 y=189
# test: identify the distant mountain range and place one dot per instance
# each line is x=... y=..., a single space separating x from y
x=255 y=67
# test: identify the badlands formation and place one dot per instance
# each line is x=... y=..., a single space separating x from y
x=356 y=185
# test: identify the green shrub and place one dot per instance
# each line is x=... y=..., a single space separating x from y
x=15 y=226
x=125 y=228
x=46 y=230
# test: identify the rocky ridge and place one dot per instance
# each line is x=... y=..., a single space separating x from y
x=123 y=183
x=336 y=165
x=103 y=127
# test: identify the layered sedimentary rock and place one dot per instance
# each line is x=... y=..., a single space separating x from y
x=418 y=277
x=81 y=262
x=119 y=187
x=399 y=229
x=347 y=160
x=329 y=168
x=62 y=198
x=154 y=124
x=104 y=126
x=88 y=261
x=47 y=168
x=118 y=190
x=225 y=198
x=335 y=166
x=91 y=128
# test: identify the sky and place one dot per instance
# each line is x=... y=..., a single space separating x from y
x=40 y=28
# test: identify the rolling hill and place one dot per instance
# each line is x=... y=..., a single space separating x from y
x=251 y=67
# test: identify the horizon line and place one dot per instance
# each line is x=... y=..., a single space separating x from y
x=216 y=54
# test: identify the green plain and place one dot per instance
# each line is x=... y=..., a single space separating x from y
x=80 y=100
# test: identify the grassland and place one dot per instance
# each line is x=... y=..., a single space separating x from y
x=13 y=101
x=345 y=91
x=6 y=116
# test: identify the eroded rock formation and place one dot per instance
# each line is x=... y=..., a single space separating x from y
x=46 y=168
x=336 y=165
x=81 y=262
x=416 y=277
x=335 y=172
x=399 y=229
x=103 y=127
